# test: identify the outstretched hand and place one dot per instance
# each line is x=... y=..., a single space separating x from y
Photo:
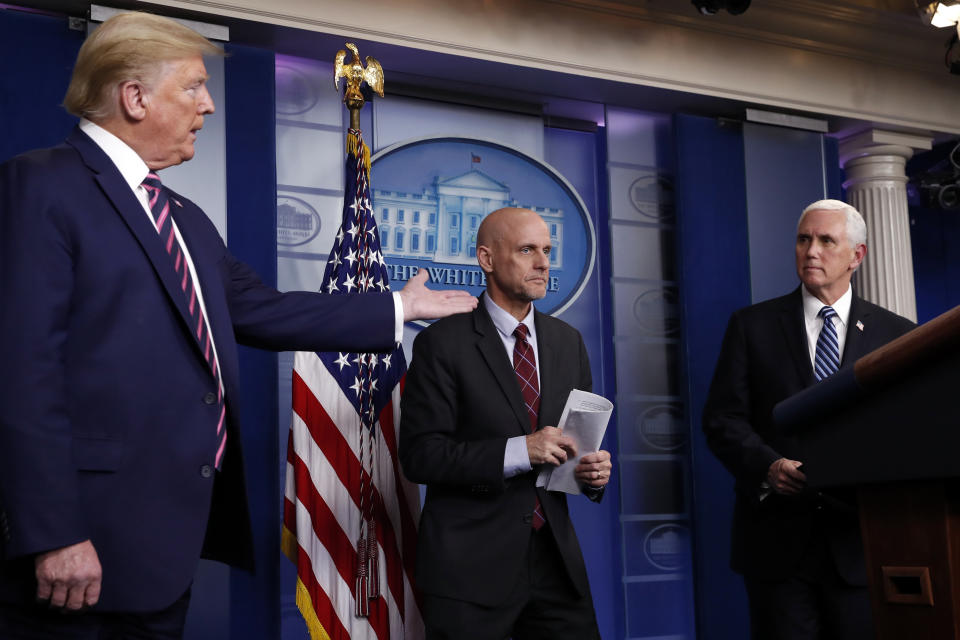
x=421 y=303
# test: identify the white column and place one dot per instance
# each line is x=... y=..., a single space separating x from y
x=875 y=164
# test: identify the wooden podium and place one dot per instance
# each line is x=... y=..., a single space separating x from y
x=891 y=427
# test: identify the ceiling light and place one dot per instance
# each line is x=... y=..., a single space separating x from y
x=939 y=14
x=733 y=7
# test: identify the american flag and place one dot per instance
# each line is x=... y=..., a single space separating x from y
x=349 y=516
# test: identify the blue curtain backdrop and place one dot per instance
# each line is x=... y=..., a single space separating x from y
x=38 y=53
x=714 y=280
x=252 y=232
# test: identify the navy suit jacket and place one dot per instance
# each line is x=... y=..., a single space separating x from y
x=765 y=359
x=460 y=405
x=107 y=408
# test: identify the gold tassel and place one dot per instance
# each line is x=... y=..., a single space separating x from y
x=352 y=141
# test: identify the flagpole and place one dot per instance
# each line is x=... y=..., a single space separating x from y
x=347 y=506
x=366 y=568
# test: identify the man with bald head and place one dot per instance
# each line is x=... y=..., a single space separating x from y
x=498 y=557
x=799 y=550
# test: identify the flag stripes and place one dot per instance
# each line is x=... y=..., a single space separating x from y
x=348 y=470
x=322 y=496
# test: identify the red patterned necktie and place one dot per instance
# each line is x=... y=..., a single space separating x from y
x=525 y=366
x=160 y=210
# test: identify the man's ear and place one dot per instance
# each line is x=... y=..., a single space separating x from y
x=134 y=101
x=485 y=258
x=859 y=253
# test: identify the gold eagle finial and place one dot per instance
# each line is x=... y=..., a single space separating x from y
x=355 y=73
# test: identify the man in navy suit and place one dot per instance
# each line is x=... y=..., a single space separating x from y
x=490 y=562
x=120 y=379
x=799 y=551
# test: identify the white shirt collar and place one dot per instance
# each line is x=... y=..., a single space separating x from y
x=812 y=305
x=131 y=166
x=506 y=323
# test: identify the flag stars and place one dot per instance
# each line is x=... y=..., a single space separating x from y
x=342 y=361
x=332 y=286
x=351 y=257
x=353 y=231
x=349 y=284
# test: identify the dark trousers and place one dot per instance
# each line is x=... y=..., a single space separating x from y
x=38 y=622
x=813 y=604
x=542 y=605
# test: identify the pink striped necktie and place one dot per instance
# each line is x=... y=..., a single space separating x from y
x=160 y=211
x=525 y=366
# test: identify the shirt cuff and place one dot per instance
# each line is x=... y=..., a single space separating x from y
x=397 y=317
x=516 y=460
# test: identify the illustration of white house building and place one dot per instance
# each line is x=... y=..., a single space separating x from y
x=441 y=223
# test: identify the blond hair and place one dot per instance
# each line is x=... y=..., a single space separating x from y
x=128 y=46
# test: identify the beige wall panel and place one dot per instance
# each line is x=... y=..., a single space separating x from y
x=826 y=57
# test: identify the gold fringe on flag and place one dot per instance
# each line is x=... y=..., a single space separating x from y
x=290 y=547
x=305 y=604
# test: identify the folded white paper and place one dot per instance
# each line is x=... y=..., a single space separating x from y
x=584 y=419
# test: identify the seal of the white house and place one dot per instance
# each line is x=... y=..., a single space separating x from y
x=431 y=194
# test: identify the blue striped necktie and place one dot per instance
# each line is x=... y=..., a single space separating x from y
x=826 y=360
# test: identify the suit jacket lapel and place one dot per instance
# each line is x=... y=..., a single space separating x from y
x=495 y=357
x=213 y=297
x=855 y=346
x=549 y=361
x=131 y=211
x=795 y=334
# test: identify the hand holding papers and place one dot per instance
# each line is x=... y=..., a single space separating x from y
x=584 y=419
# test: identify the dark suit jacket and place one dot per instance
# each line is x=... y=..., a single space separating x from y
x=107 y=425
x=764 y=359
x=460 y=405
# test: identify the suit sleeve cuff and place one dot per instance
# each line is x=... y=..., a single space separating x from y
x=516 y=460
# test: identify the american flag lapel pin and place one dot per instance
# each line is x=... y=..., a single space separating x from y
x=859 y=325
x=177 y=202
